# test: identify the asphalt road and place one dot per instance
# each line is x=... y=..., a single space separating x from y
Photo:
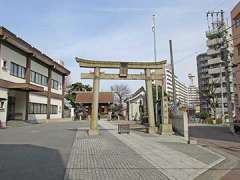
x=220 y=139
x=36 y=152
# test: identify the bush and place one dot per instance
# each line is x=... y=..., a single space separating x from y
x=204 y=115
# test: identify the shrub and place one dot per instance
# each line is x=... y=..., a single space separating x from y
x=204 y=115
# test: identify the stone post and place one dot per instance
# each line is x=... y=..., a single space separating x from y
x=94 y=117
x=166 y=126
x=151 y=128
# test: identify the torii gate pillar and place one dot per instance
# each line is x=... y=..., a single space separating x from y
x=94 y=116
x=150 y=108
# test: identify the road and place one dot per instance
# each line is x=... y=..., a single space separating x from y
x=36 y=152
x=220 y=139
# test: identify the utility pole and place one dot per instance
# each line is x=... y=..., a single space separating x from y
x=225 y=57
x=173 y=74
x=155 y=59
x=221 y=81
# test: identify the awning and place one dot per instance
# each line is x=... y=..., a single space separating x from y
x=25 y=87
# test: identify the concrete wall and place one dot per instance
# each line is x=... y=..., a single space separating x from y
x=9 y=56
x=3 y=112
x=180 y=124
x=57 y=102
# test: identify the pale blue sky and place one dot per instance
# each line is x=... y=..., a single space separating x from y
x=113 y=30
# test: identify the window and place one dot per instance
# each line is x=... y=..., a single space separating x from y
x=54 y=84
x=238 y=50
x=238 y=21
x=1 y=104
x=37 y=108
x=54 y=109
x=4 y=64
x=17 y=70
x=39 y=78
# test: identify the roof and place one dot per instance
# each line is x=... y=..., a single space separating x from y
x=21 y=86
x=88 y=63
x=136 y=94
x=87 y=97
x=11 y=38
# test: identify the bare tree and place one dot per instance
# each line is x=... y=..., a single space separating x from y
x=121 y=92
x=211 y=97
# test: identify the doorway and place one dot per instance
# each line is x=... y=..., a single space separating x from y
x=11 y=108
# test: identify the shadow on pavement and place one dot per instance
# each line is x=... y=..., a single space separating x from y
x=29 y=162
x=214 y=133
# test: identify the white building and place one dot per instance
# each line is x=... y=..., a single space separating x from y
x=134 y=103
x=181 y=88
x=193 y=95
x=31 y=83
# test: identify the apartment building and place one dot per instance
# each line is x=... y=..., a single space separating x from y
x=193 y=96
x=181 y=89
x=235 y=16
x=31 y=83
x=211 y=70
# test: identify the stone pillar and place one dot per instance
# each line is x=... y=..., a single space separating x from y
x=63 y=91
x=151 y=128
x=94 y=117
x=49 y=92
x=166 y=126
x=28 y=79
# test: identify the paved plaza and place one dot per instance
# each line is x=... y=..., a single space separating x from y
x=63 y=150
x=136 y=156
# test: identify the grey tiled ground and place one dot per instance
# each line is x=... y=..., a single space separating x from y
x=201 y=154
x=104 y=157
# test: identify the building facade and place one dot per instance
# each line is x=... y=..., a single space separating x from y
x=31 y=83
x=235 y=16
x=211 y=70
x=136 y=105
x=181 y=88
x=85 y=99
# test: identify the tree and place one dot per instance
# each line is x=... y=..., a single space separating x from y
x=211 y=97
x=121 y=92
x=73 y=89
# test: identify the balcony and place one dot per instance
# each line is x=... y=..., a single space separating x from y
x=214 y=61
x=213 y=42
x=215 y=70
x=214 y=34
x=211 y=52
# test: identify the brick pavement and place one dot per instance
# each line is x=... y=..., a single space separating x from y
x=113 y=156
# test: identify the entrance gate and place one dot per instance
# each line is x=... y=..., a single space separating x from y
x=123 y=75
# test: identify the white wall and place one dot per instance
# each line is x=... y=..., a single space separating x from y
x=57 y=102
x=58 y=78
x=10 y=55
x=37 y=99
x=3 y=112
x=40 y=69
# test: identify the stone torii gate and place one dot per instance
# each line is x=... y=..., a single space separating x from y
x=123 y=75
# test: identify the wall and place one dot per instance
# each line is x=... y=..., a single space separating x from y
x=57 y=102
x=180 y=124
x=3 y=112
x=10 y=55
x=236 y=56
x=37 y=99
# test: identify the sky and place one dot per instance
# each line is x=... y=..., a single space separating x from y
x=114 y=30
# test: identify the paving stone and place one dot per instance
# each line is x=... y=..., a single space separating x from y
x=104 y=157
